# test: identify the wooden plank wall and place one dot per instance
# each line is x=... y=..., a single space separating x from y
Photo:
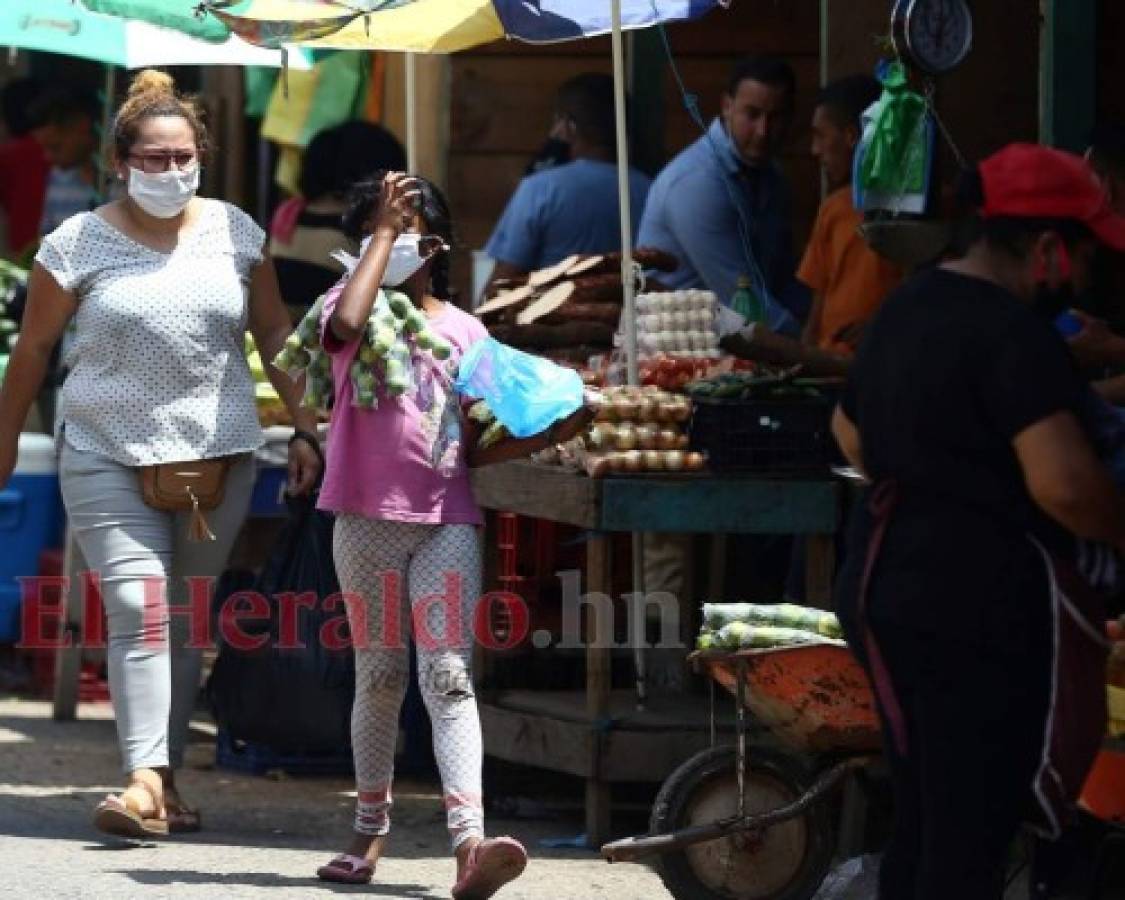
x=502 y=100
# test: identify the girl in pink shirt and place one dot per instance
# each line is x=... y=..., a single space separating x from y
x=406 y=540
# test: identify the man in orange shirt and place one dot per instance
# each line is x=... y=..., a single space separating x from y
x=848 y=279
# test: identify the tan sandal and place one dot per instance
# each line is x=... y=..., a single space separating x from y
x=113 y=816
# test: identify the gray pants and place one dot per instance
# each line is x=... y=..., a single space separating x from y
x=141 y=552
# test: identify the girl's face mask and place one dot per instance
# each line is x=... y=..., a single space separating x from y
x=411 y=251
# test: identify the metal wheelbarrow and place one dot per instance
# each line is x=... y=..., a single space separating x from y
x=753 y=823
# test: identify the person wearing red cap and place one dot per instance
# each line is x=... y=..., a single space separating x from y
x=959 y=591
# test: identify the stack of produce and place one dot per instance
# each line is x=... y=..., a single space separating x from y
x=395 y=330
x=738 y=626
x=635 y=430
x=569 y=311
x=671 y=373
x=13 y=283
x=678 y=324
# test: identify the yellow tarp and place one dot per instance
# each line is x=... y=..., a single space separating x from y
x=427 y=26
x=424 y=26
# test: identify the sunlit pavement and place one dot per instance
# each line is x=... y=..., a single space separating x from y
x=263 y=837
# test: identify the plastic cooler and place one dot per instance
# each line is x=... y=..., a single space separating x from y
x=31 y=520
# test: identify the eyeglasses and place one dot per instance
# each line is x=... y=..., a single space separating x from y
x=153 y=163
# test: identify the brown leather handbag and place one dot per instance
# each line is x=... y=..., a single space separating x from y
x=195 y=486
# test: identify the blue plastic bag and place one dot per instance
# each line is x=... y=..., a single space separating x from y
x=527 y=393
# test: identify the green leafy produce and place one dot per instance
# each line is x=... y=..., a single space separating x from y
x=749 y=385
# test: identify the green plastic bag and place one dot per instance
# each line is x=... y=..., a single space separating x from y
x=895 y=157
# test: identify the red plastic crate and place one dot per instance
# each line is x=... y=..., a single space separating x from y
x=92 y=685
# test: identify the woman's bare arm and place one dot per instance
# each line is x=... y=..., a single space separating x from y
x=1067 y=480
x=847 y=436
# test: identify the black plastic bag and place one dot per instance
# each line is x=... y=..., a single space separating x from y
x=293 y=693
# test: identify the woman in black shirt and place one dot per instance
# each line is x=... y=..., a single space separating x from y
x=963 y=411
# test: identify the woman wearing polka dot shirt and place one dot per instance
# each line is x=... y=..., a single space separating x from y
x=162 y=285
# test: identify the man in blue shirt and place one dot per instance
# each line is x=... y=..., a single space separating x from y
x=725 y=191
x=570 y=208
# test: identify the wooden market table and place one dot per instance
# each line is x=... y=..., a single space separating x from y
x=602 y=737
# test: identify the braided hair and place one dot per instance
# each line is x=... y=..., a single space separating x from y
x=363 y=199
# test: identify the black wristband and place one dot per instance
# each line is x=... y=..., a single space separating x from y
x=299 y=434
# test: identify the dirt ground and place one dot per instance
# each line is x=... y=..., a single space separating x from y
x=263 y=837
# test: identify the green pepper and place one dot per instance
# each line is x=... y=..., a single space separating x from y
x=384 y=341
x=414 y=321
x=400 y=305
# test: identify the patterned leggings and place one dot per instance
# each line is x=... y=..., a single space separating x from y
x=422 y=581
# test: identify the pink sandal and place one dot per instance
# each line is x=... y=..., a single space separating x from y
x=347 y=869
x=492 y=864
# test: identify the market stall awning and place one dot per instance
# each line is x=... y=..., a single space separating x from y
x=60 y=26
x=438 y=26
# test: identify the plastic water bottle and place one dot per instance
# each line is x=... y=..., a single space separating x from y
x=747 y=302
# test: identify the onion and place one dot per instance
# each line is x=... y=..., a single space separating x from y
x=666 y=410
x=653 y=460
x=668 y=439
x=633 y=460
x=693 y=462
x=646 y=437
x=682 y=442
x=624 y=409
x=682 y=410
x=625 y=437
x=599 y=466
x=600 y=436
x=646 y=408
x=673 y=460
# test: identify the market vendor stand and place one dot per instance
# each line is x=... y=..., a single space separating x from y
x=602 y=737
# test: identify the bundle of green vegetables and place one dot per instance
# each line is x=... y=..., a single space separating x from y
x=384 y=353
x=736 y=626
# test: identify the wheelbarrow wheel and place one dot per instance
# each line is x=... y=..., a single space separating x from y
x=788 y=861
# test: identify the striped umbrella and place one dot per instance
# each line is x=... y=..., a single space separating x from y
x=60 y=26
x=438 y=26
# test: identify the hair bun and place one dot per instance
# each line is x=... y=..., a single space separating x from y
x=152 y=82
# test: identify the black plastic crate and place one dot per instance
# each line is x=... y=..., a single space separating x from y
x=789 y=434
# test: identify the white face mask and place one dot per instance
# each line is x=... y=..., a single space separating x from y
x=163 y=194
x=405 y=260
